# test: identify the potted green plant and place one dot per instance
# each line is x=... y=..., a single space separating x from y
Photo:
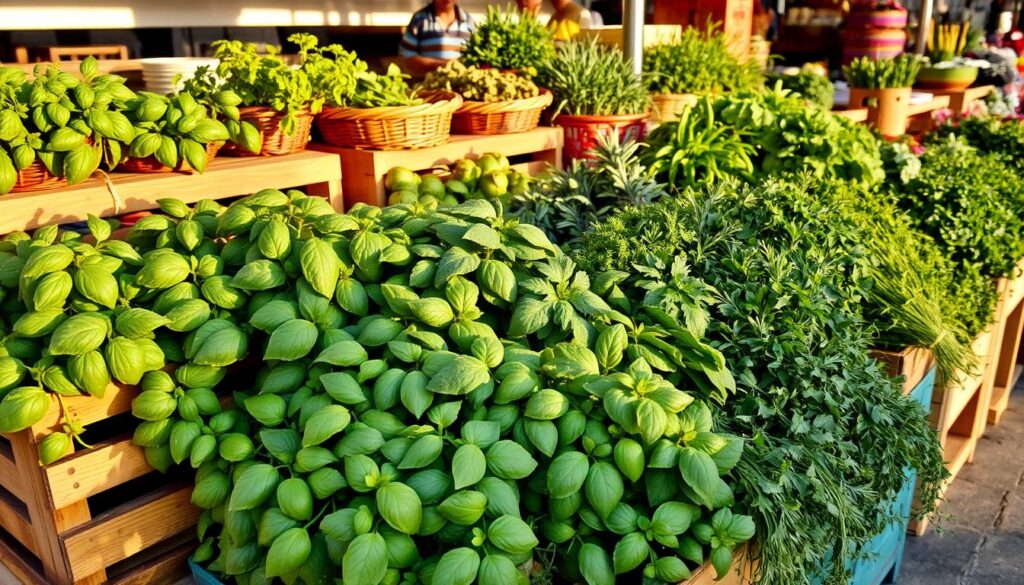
x=509 y=39
x=171 y=134
x=883 y=87
x=275 y=102
x=946 y=68
x=596 y=92
x=696 y=63
x=494 y=101
x=807 y=82
x=364 y=109
x=61 y=127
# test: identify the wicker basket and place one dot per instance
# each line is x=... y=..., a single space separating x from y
x=275 y=140
x=36 y=177
x=504 y=117
x=149 y=164
x=391 y=128
x=669 y=106
x=583 y=132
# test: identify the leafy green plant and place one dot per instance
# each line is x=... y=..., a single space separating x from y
x=342 y=79
x=699 y=62
x=172 y=129
x=17 y=148
x=897 y=72
x=813 y=87
x=509 y=39
x=992 y=135
x=480 y=84
x=693 y=150
x=590 y=79
x=567 y=203
x=797 y=345
x=774 y=130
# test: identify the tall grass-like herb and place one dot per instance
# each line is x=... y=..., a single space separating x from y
x=699 y=62
x=868 y=73
x=590 y=79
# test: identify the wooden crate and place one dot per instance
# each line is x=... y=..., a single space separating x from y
x=739 y=574
x=910 y=363
x=654 y=34
x=1007 y=370
x=224 y=178
x=99 y=515
x=362 y=171
x=735 y=18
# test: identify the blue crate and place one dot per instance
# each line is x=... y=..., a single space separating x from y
x=202 y=576
x=885 y=551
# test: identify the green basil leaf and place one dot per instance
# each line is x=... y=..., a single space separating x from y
x=567 y=473
x=291 y=341
x=512 y=535
x=604 y=488
x=595 y=566
x=509 y=460
x=457 y=567
x=324 y=424
x=400 y=507
x=288 y=552
x=463 y=508
x=468 y=465
x=630 y=552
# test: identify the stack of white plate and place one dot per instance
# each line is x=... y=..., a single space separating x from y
x=159 y=73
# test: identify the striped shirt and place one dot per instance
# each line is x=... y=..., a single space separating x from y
x=426 y=36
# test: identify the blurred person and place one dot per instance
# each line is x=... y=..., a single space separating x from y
x=530 y=6
x=568 y=17
x=434 y=36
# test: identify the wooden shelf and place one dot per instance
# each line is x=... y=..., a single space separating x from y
x=854 y=115
x=225 y=177
x=363 y=171
x=961 y=99
x=938 y=102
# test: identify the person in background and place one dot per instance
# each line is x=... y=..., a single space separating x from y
x=568 y=18
x=434 y=36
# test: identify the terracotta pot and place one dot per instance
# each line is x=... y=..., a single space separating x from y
x=582 y=132
x=947 y=78
x=888 y=109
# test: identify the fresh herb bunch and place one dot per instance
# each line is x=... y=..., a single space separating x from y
x=991 y=135
x=341 y=79
x=780 y=135
x=818 y=471
x=567 y=203
x=17 y=147
x=442 y=394
x=590 y=79
x=694 y=150
x=968 y=202
x=510 y=39
x=897 y=72
x=263 y=80
x=480 y=84
x=699 y=62
x=813 y=87
x=205 y=88
x=172 y=129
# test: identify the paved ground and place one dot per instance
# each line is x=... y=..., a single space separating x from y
x=981 y=541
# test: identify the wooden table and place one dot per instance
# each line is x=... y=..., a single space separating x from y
x=363 y=171
x=225 y=177
x=961 y=99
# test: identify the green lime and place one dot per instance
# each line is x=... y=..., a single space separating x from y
x=431 y=185
x=401 y=179
x=494 y=184
x=403 y=198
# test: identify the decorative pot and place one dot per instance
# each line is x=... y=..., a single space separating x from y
x=582 y=132
x=947 y=78
x=888 y=109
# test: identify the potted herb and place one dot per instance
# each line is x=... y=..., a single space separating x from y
x=883 y=87
x=596 y=92
x=510 y=40
x=274 y=98
x=696 y=63
x=494 y=101
x=947 y=69
x=172 y=134
x=364 y=109
x=808 y=83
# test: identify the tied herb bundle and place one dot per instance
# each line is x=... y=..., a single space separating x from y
x=590 y=79
x=820 y=410
x=897 y=72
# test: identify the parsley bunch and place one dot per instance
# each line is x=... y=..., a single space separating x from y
x=509 y=39
x=699 y=62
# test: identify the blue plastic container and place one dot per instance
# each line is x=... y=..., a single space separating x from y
x=885 y=551
x=202 y=576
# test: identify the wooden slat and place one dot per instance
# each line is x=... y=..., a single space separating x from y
x=24 y=568
x=14 y=519
x=88 y=409
x=163 y=569
x=532 y=168
x=225 y=177
x=86 y=473
x=10 y=479
x=128 y=529
x=854 y=114
x=936 y=103
x=912 y=363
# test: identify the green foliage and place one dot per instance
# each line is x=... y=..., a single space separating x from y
x=813 y=87
x=699 y=62
x=780 y=136
x=992 y=135
x=480 y=84
x=400 y=427
x=509 y=39
x=897 y=72
x=567 y=203
x=820 y=467
x=172 y=129
x=590 y=79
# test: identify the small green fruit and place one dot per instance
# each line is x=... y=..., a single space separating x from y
x=401 y=179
